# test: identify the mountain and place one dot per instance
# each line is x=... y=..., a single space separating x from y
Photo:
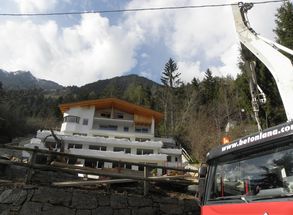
x=25 y=80
x=132 y=88
x=117 y=86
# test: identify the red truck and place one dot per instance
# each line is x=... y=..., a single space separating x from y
x=254 y=174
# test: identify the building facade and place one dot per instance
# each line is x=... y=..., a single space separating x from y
x=110 y=117
x=114 y=129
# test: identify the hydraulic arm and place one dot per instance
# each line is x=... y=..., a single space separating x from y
x=267 y=52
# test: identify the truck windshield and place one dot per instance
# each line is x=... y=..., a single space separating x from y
x=261 y=176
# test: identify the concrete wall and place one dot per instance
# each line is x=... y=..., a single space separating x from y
x=33 y=200
x=95 y=120
x=83 y=113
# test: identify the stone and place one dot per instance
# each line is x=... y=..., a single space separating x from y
x=6 y=212
x=171 y=209
x=102 y=211
x=135 y=201
x=46 y=207
x=30 y=193
x=83 y=200
x=104 y=200
x=83 y=212
x=31 y=208
x=5 y=195
x=144 y=211
x=16 y=196
x=58 y=210
x=3 y=207
x=118 y=201
x=52 y=195
x=191 y=206
x=122 y=212
x=165 y=200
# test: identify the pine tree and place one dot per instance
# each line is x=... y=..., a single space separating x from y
x=208 y=93
x=284 y=25
x=170 y=79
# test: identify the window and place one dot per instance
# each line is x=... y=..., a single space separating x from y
x=169 y=158
x=80 y=134
x=100 y=148
x=78 y=146
x=90 y=163
x=106 y=114
x=139 y=151
x=140 y=168
x=72 y=160
x=264 y=174
x=125 y=150
x=100 y=164
x=142 y=139
x=72 y=119
x=115 y=165
x=109 y=127
x=119 y=115
x=94 y=147
x=74 y=146
x=85 y=121
x=142 y=130
x=144 y=151
x=176 y=159
x=126 y=129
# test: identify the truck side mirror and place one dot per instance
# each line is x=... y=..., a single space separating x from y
x=203 y=171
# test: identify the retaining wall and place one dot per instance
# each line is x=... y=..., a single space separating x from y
x=54 y=201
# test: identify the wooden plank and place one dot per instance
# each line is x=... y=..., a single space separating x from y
x=5 y=181
x=79 y=183
x=145 y=183
x=42 y=151
x=168 y=177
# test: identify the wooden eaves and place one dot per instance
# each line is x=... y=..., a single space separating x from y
x=115 y=103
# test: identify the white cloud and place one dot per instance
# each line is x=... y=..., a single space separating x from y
x=229 y=59
x=195 y=35
x=77 y=55
x=146 y=74
x=189 y=70
x=29 y=6
x=94 y=49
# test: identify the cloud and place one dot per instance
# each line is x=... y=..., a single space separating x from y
x=198 y=35
x=92 y=48
x=28 y=6
x=78 y=54
x=190 y=70
x=229 y=59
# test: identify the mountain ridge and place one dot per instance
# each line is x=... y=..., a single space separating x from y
x=23 y=80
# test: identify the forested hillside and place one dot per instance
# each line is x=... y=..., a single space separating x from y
x=198 y=114
x=25 y=80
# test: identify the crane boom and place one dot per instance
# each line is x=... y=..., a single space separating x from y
x=266 y=51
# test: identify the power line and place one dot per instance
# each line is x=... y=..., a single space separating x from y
x=133 y=9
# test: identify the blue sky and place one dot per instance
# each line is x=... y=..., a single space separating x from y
x=79 y=49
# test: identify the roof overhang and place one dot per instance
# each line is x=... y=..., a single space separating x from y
x=115 y=103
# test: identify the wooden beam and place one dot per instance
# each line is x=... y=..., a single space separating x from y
x=80 y=183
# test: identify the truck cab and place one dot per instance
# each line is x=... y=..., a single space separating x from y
x=251 y=175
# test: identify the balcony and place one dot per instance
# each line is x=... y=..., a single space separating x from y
x=103 y=120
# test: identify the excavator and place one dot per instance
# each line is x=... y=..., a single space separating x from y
x=254 y=174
